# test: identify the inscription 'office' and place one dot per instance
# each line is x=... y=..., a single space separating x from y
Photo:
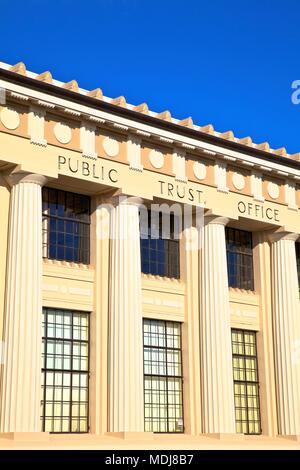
x=258 y=211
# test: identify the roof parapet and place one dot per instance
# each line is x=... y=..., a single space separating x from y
x=264 y=146
x=141 y=108
x=228 y=135
x=96 y=93
x=72 y=85
x=281 y=152
x=187 y=122
x=20 y=68
x=45 y=77
x=208 y=129
x=165 y=115
x=119 y=101
x=246 y=141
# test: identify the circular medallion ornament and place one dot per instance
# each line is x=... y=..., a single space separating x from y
x=63 y=133
x=10 y=118
x=238 y=181
x=111 y=146
x=156 y=158
x=199 y=170
x=273 y=190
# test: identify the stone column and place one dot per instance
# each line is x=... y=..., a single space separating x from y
x=190 y=331
x=286 y=325
x=215 y=335
x=21 y=379
x=126 y=401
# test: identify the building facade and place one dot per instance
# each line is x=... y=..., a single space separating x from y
x=114 y=329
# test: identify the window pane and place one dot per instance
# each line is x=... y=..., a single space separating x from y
x=239 y=259
x=65 y=371
x=246 y=385
x=66 y=226
x=163 y=376
x=160 y=251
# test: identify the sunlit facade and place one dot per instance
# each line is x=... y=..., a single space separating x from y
x=118 y=329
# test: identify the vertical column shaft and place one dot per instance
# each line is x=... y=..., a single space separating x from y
x=286 y=322
x=21 y=379
x=215 y=335
x=126 y=411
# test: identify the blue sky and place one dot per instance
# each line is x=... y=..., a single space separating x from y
x=226 y=62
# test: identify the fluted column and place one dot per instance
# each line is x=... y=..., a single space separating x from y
x=215 y=335
x=126 y=410
x=21 y=379
x=286 y=322
x=190 y=331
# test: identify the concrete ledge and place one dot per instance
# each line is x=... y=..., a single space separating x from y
x=225 y=436
x=26 y=436
x=131 y=436
x=295 y=437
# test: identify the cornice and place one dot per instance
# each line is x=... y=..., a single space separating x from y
x=180 y=129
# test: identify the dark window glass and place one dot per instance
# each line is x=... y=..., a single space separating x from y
x=65 y=371
x=160 y=253
x=239 y=259
x=66 y=226
x=246 y=384
x=163 y=377
x=298 y=260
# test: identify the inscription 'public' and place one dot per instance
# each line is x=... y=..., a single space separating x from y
x=87 y=169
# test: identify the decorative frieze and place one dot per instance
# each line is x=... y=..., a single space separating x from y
x=62 y=133
x=290 y=195
x=156 y=158
x=36 y=126
x=221 y=176
x=256 y=186
x=10 y=118
x=273 y=190
x=111 y=146
x=178 y=165
x=87 y=139
x=133 y=151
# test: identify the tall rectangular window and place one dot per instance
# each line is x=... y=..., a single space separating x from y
x=298 y=260
x=163 y=377
x=160 y=250
x=246 y=384
x=66 y=226
x=239 y=259
x=65 y=371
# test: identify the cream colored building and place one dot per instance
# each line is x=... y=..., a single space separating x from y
x=111 y=339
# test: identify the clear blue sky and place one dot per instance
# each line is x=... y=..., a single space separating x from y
x=226 y=62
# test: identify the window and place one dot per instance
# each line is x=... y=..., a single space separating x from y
x=246 y=385
x=65 y=371
x=66 y=226
x=163 y=377
x=298 y=260
x=239 y=259
x=160 y=256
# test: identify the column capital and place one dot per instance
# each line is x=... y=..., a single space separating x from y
x=130 y=200
x=283 y=235
x=20 y=176
x=118 y=199
x=215 y=219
